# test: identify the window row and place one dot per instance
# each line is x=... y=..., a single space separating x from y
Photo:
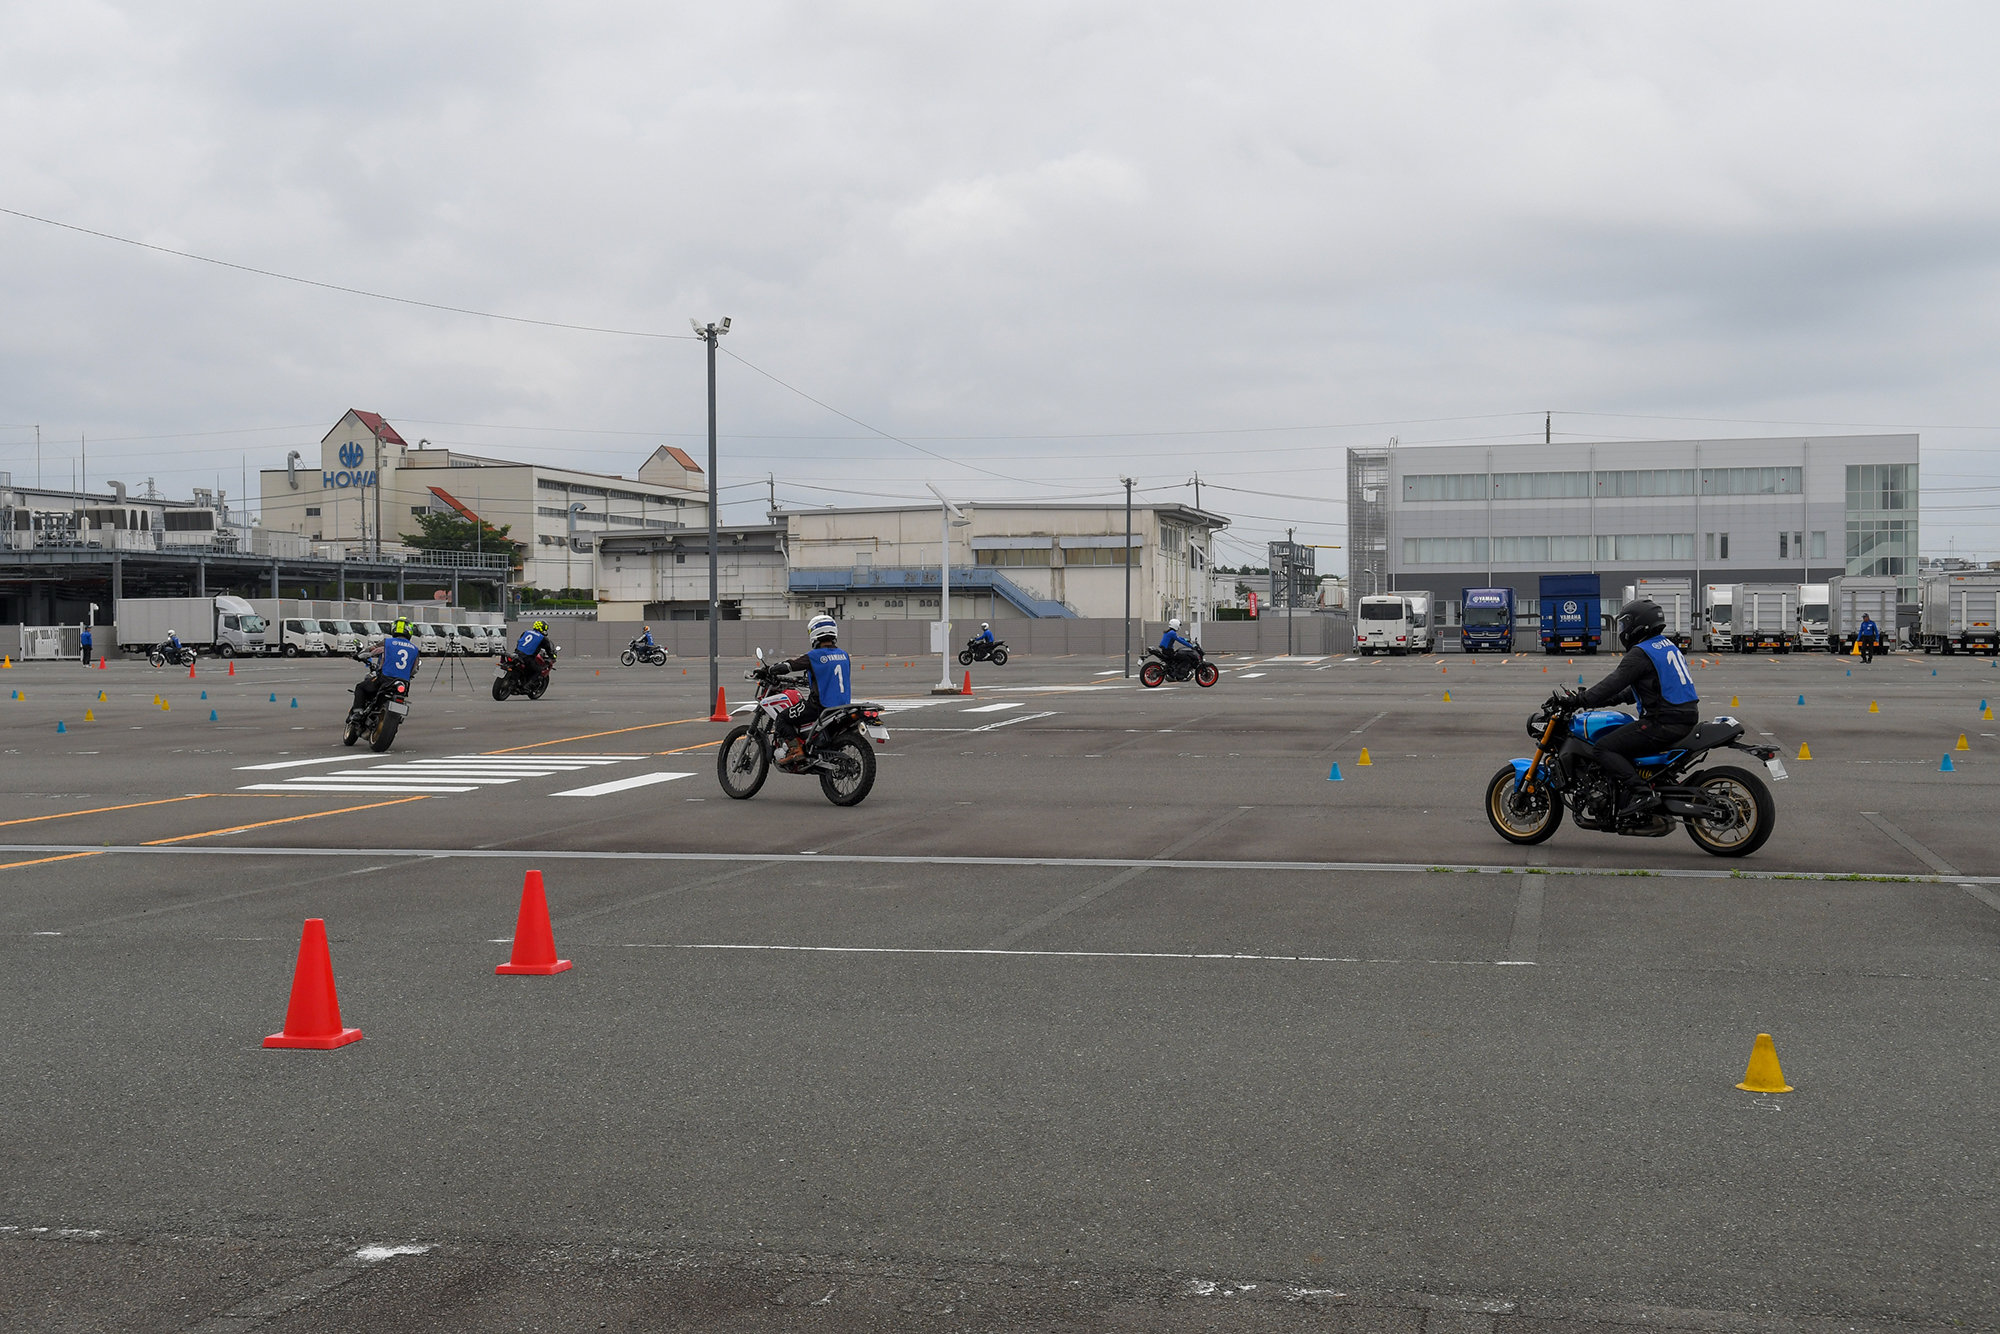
x=1474 y=551
x=1881 y=486
x=1629 y=482
x=1040 y=556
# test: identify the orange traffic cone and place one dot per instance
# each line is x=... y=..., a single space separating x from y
x=190 y=671
x=312 y=1020
x=101 y=665
x=721 y=714
x=232 y=666
x=966 y=689
x=534 y=938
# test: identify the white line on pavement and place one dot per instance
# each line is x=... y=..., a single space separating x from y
x=1063 y=954
x=295 y=764
x=1009 y=722
x=995 y=708
x=353 y=787
x=621 y=784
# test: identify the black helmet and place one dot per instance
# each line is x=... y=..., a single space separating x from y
x=1640 y=621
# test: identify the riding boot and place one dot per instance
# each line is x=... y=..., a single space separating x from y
x=1637 y=799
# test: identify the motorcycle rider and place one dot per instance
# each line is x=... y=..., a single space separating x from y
x=1654 y=675
x=1175 y=648
x=829 y=684
x=1868 y=635
x=535 y=649
x=394 y=659
x=981 y=644
x=170 y=647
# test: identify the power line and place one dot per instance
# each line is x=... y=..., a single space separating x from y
x=336 y=287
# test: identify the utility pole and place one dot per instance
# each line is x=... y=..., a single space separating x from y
x=951 y=516
x=1291 y=587
x=709 y=334
x=1197 y=490
x=1128 y=574
x=771 y=507
x=1548 y=428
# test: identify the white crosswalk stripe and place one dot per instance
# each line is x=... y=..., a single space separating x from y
x=448 y=774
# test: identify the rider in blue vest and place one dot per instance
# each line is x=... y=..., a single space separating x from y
x=1654 y=675
x=1173 y=646
x=985 y=635
x=535 y=649
x=1868 y=635
x=831 y=674
x=394 y=659
x=646 y=635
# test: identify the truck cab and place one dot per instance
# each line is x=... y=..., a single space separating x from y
x=1382 y=625
x=1719 y=617
x=238 y=629
x=1815 y=602
x=301 y=636
x=1572 y=613
x=1486 y=619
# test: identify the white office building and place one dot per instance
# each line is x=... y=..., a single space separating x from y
x=1788 y=510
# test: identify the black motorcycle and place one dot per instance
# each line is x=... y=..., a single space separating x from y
x=1180 y=667
x=1728 y=811
x=516 y=675
x=387 y=704
x=836 y=745
x=639 y=651
x=168 y=656
x=980 y=650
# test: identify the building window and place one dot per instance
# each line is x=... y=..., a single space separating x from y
x=1646 y=482
x=1541 y=485
x=1819 y=545
x=680 y=558
x=1074 y=556
x=1717 y=547
x=1646 y=546
x=1445 y=486
x=1461 y=551
x=1791 y=546
x=1753 y=481
x=1881 y=546
x=312 y=512
x=420 y=509
x=1013 y=556
x=1881 y=486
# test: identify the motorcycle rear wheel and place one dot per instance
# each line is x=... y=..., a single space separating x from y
x=385 y=732
x=1151 y=675
x=1539 y=813
x=743 y=763
x=1755 y=819
x=1206 y=675
x=500 y=691
x=857 y=762
x=999 y=657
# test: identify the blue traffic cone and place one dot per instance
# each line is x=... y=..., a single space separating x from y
x=1944 y=768
x=274 y=697
x=1579 y=678
x=295 y=701
x=1933 y=671
x=1802 y=699
x=1333 y=775
x=204 y=694
x=211 y=715
x=1850 y=672
x=61 y=728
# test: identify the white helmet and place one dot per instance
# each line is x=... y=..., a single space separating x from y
x=821 y=627
x=1174 y=624
x=984 y=626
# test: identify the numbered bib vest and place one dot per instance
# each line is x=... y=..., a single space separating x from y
x=1676 y=682
x=833 y=675
x=399 y=659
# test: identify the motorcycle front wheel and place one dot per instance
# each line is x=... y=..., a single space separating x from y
x=352 y=734
x=999 y=657
x=538 y=687
x=965 y=657
x=1521 y=817
x=1206 y=675
x=1151 y=675
x=743 y=763
x=627 y=658
x=157 y=659
x=385 y=732
x=855 y=761
x=1753 y=815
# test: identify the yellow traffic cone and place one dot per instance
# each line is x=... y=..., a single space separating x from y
x=1735 y=703
x=1763 y=1075
x=1873 y=707
x=90 y=717
x=1364 y=762
x=1855 y=652
x=1805 y=751
x=8 y=661
x=1987 y=716
x=1447 y=697
x=1963 y=744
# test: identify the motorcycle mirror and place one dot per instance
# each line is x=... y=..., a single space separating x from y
x=760 y=655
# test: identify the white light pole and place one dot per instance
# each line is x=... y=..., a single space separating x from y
x=950 y=516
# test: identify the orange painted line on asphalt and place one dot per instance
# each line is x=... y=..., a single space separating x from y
x=587 y=736
x=685 y=749
x=265 y=824
x=100 y=810
x=67 y=856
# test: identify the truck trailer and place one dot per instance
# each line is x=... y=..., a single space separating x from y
x=1675 y=597
x=1850 y=597
x=1486 y=619
x=1572 y=613
x=1960 y=614
x=1767 y=617
x=223 y=625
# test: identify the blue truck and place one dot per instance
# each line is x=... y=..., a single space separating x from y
x=1572 y=613
x=1486 y=619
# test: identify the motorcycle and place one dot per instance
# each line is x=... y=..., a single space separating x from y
x=1728 y=810
x=1161 y=669
x=516 y=675
x=979 y=650
x=172 y=657
x=835 y=745
x=637 y=652
x=379 y=718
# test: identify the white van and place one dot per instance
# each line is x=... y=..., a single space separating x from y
x=1382 y=625
x=340 y=637
x=301 y=636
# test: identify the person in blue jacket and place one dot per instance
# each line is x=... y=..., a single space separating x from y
x=985 y=635
x=1175 y=647
x=1869 y=635
x=1655 y=676
x=831 y=679
x=394 y=659
x=534 y=647
x=86 y=644
x=646 y=635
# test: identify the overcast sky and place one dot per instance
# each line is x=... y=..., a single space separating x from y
x=1054 y=242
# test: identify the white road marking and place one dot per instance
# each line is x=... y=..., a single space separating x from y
x=1058 y=954
x=1251 y=676
x=1009 y=722
x=622 y=784
x=995 y=708
x=295 y=764
x=338 y=787
x=1113 y=672
x=448 y=774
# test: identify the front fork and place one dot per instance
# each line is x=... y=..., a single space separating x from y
x=1526 y=786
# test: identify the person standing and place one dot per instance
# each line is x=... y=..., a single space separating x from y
x=1868 y=633
x=85 y=637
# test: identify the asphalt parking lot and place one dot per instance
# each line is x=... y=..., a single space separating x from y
x=1107 y=1009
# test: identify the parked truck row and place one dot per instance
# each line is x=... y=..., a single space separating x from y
x=229 y=627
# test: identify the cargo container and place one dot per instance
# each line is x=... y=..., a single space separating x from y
x=1853 y=596
x=1486 y=619
x=1814 y=601
x=1572 y=613
x=224 y=626
x=1718 y=617
x=1767 y=617
x=1675 y=598
x=1960 y=614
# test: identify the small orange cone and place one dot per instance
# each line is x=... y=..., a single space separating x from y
x=190 y=671
x=312 y=1020
x=534 y=938
x=103 y=664
x=1763 y=1074
x=232 y=666
x=966 y=689
x=721 y=714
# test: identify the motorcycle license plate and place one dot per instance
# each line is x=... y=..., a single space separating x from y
x=1777 y=768
x=397 y=706
x=877 y=734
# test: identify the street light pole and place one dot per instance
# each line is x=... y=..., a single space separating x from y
x=1128 y=574
x=709 y=333
x=949 y=516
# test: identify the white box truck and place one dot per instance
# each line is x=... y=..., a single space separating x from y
x=225 y=626
x=1382 y=625
x=1850 y=597
x=1676 y=598
x=1767 y=617
x=1961 y=611
x=1814 y=603
x=1718 y=633
x=1423 y=629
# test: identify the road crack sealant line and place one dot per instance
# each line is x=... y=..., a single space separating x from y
x=1081 y=863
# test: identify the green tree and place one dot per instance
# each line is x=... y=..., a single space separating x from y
x=444 y=531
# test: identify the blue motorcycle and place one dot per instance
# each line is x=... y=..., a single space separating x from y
x=1728 y=810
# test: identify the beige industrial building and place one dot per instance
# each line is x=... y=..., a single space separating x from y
x=370 y=483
